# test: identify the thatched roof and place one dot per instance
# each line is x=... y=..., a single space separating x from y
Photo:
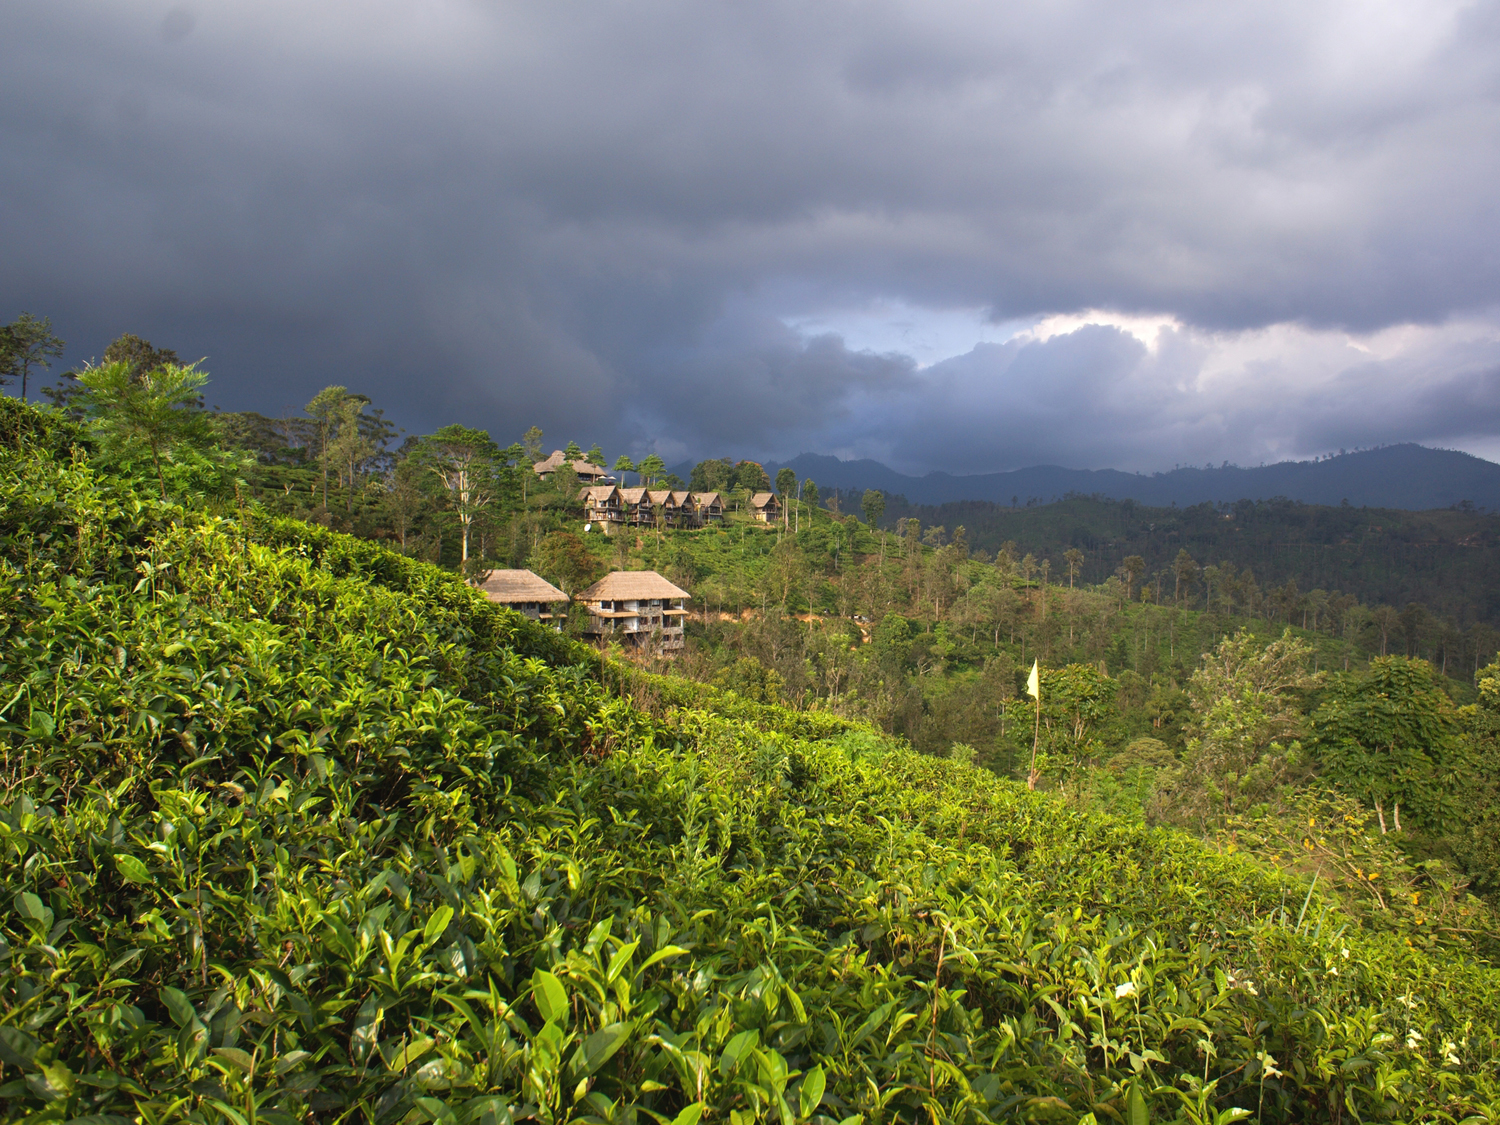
x=632 y=495
x=512 y=586
x=582 y=468
x=706 y=499
x=631 y=586
x=596 y=492
x=763 y=500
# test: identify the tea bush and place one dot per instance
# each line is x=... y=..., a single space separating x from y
x=296 y=829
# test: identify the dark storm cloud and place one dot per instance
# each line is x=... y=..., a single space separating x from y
x=1099 y=396
x=597 y=216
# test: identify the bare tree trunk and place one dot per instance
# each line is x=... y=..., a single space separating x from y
x=1380 y=815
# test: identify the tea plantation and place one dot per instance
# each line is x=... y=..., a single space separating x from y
x=297 y=829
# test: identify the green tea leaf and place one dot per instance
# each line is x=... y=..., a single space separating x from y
x=180 y=1007
x=736 y=1049
x=366 y=1028
x=435 y=1109
x=550 y=996
x=238 y=1058
x=662 y=954
x=810 y=1095
x=16 y=1047
x=411 y=1052
x=618 y=962
x=132 y=869
x=290 y=1060
x=601 y=1046
x=437 y=923
x=52 y=1082
x=872 y=1023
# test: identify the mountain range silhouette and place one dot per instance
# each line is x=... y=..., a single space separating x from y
x=1407 y=476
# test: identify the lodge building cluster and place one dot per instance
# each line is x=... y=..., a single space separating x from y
x=610 y=507
x=637 y=608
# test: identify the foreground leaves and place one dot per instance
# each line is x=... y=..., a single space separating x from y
x=295 y=829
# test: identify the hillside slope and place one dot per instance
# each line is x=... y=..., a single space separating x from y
x=1410 y=477
x=1448 y=560
x=296 y=829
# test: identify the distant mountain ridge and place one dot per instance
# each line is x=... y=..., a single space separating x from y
x=1409 y=476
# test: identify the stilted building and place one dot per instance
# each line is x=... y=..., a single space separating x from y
x=638 y=608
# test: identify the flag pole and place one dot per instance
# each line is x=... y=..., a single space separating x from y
x=1034 y=689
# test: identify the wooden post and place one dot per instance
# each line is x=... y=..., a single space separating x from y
x=1036 y=737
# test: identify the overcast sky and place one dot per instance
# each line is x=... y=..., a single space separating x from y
x=966 y=236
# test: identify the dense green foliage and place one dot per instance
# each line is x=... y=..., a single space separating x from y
x=924 y=633
x=927 y=635
x=297 y=828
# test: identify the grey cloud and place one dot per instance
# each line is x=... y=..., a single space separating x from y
x=750 y=384
x=1097 y=397
x=177 y=25
x=591 y=216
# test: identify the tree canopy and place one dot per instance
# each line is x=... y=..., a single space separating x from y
x=27 y=343
x=465 y=460
x=156 y=415
x=1389 y=737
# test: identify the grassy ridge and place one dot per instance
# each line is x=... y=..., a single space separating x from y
x=296 y=829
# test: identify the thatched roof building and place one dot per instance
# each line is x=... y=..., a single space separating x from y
x=587 y=473
x=632 y=586
x=764 y=506
x=523 y=591
x=638 y=608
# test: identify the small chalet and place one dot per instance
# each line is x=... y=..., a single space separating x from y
x=603 y=505
x=677 y=511
x=589 y=474
x=709 y=506
x=636 y=506
x=525 y=593
x=638 y=608
x=765 y=507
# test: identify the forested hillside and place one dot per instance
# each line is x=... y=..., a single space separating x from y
x=1447 y=561
x=299 y=828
